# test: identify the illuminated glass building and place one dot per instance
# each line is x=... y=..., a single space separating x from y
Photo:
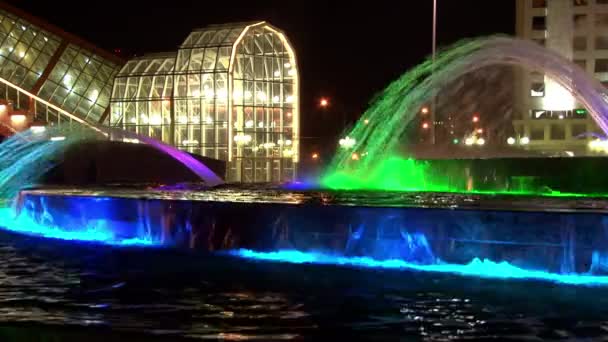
x=230 y=92
x=67 y=74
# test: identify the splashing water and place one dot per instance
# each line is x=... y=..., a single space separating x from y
x=476 y=268
x=379 y=131
x=27 y=156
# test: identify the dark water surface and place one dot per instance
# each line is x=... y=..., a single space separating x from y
x=60 y=291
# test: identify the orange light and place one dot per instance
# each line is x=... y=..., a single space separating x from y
x=355 y=156
x=18 y=119
x=424 y=110
x=315 y=156
x=425 y=125
x=324 y=102
x=480 y=130
x=476 y=118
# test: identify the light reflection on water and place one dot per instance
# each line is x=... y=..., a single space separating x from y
x=201 y=296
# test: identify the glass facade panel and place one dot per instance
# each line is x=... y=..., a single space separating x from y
x=79 y=77
x=141 y=97
x=56 y=67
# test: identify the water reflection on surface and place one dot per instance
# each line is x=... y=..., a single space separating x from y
x=58 y=289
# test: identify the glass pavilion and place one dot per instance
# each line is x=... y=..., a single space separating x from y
x=61 y=69
x=230 y=92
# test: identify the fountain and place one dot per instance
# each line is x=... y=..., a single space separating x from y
x=379 y=131
x=421 y=220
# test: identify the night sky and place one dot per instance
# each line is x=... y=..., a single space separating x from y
x=346 y=51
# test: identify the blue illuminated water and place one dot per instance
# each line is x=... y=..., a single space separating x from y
x=101 y=232
x=476 y=268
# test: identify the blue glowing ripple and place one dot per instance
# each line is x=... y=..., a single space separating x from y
x=476 y=268
x=25 y=225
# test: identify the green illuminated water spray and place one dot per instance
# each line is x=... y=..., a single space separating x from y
x=379 y=131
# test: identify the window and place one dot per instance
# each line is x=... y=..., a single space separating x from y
x=581 y=63
x=601 y=19
x=539 y=3
x=601 y=65
x=539 y=23
x=577 y=130
x=539 y=41
x=580 y=21
x=579 y=43
x=537 y=89
x=539 y=114
x=537 y=133
x=601 y=43
x=579 y=2
x=558 y=132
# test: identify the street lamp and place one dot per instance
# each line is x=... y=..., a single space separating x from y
x=347 y=142
x=323 y=102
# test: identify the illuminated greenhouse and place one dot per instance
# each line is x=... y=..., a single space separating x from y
x=230 y=92
x=50 y=77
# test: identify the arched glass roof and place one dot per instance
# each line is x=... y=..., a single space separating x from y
x=152 y=64
x=216 y=35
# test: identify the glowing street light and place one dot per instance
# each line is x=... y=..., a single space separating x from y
x=366 y=121
x=355 y=156
x=425 y=125
x=315 y=156
x=347 y=142
x=475 y=118
x=511 y=141
x=324 y=102
x=424 y=110
x=480 y=131
x=524 y=141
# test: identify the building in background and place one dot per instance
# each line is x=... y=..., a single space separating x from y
x=547 y=114
x=230 y=92
x=67 y=74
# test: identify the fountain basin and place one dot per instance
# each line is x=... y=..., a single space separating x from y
x=558 y=235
